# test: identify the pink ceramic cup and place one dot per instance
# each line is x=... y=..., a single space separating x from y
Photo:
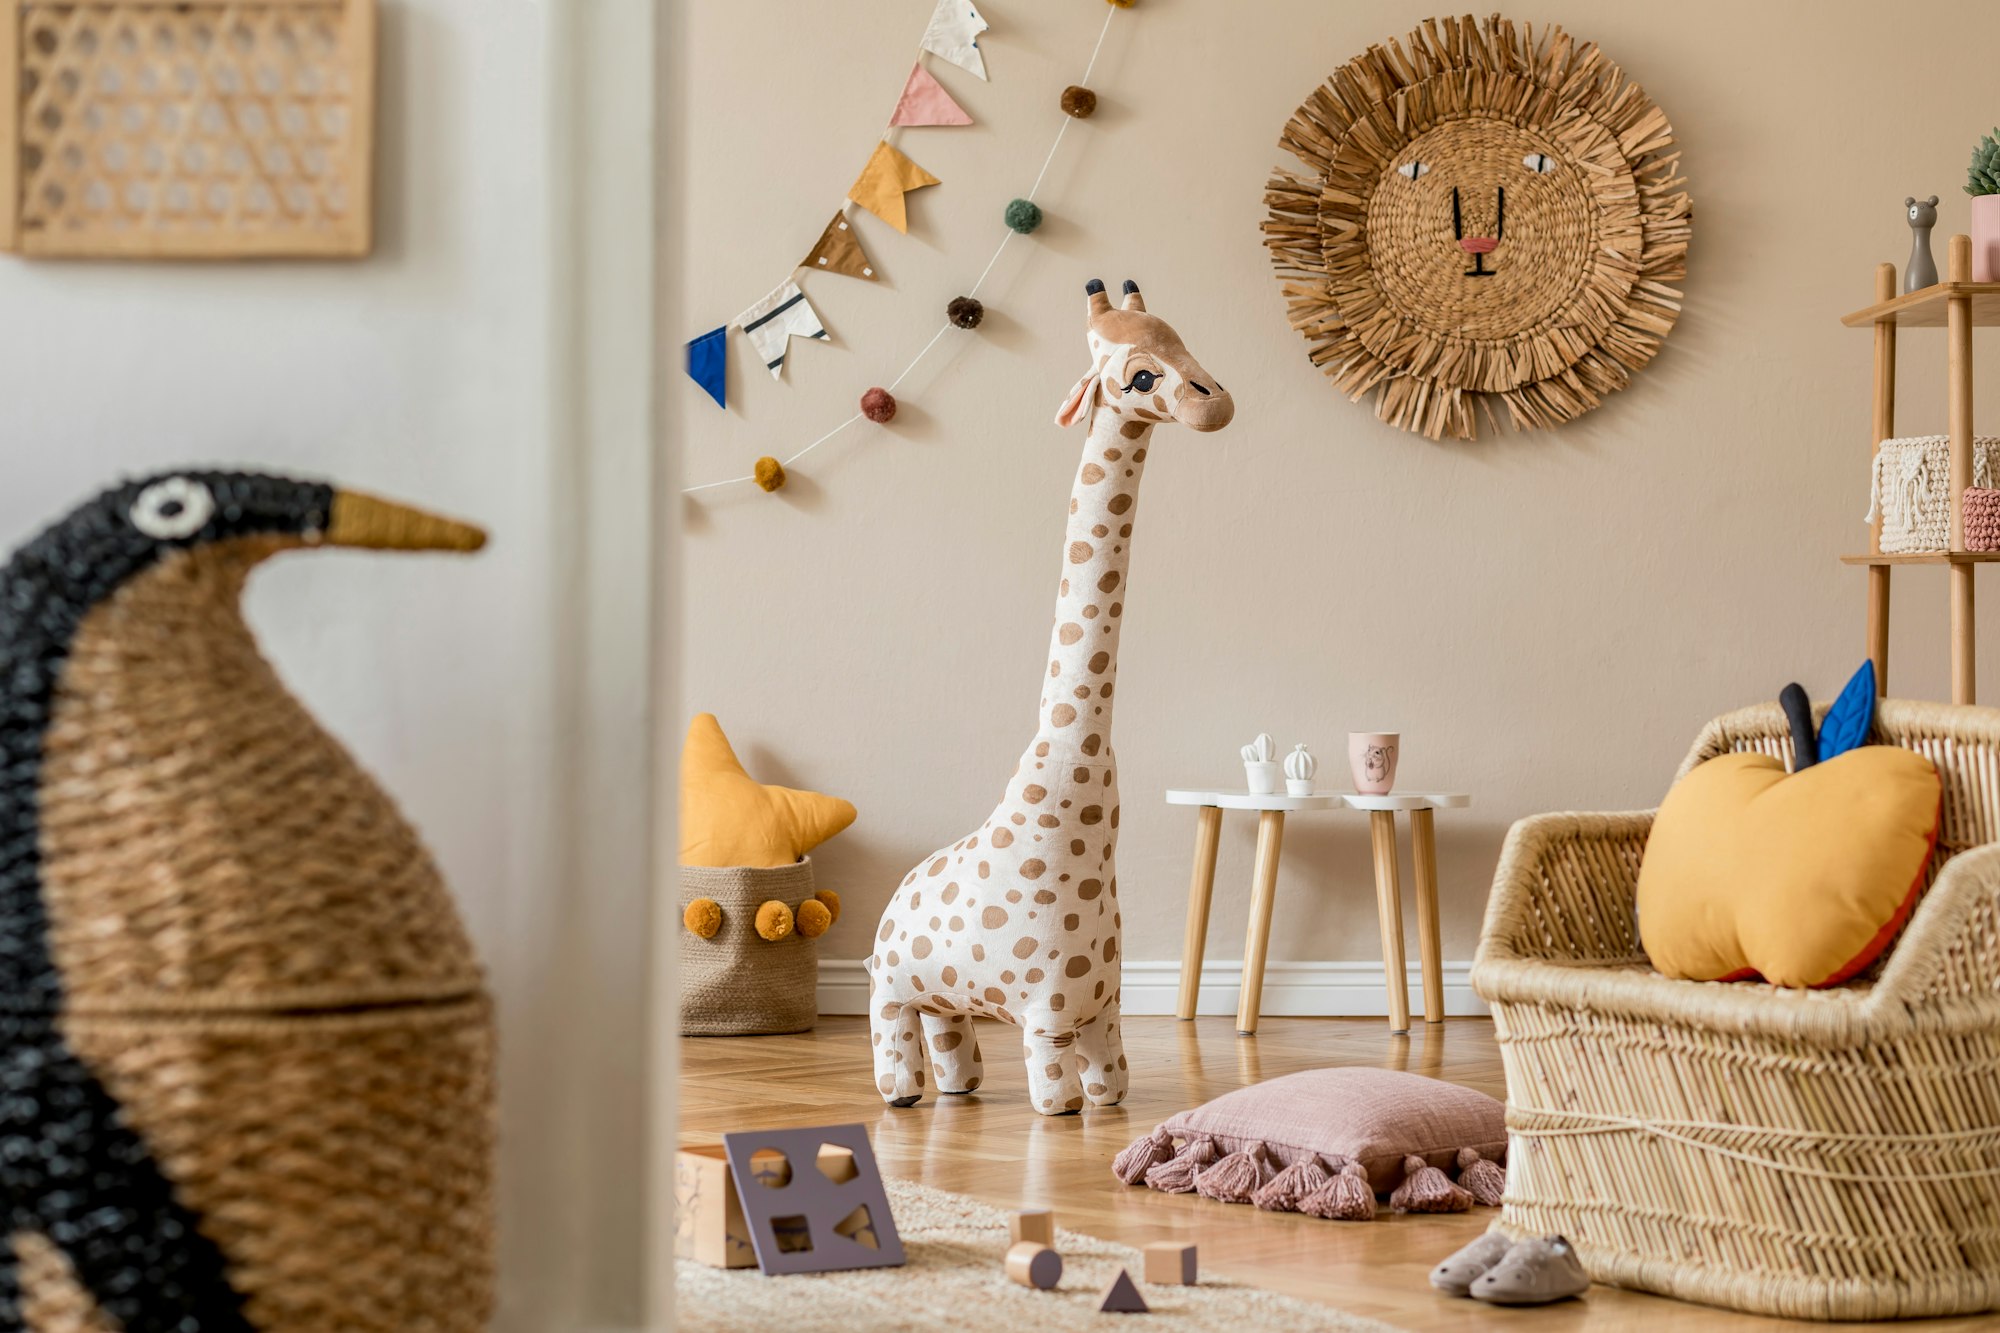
x=1372 y=756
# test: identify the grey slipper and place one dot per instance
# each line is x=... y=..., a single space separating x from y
x=1535 y=1271
x=1455 y=1276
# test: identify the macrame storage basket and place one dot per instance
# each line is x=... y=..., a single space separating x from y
x=737 y=983
x=1911 y=489
x=1982 y=519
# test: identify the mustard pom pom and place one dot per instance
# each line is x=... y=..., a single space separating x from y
x=1124 y=4
x=703 y=917
x=769 y=473
x=813 y=918
x=774 y=920
x=879 y=406
x=1078 y=101
x=830 y=901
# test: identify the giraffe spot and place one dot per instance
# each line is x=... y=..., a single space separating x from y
x=920 y=947
x=1090 y=613
x=1048 y=1104
x=1121 y=1062
x=1114 y=815
x=1044 y=896
x=1032 y=868
x=1013 y=895
x=1100 y=991
x=937 y=923
x=1080 y=552
x=1069 y=633
x=916 y=981
x=937 y=865
x=1017 y=819
x=1117 y=609
x=1042 y=748
x=1110 y=949
x=886 y=1085
x=1007 y=978
x=1095 y=1089
x=994 y=995
x=950 y=893
x=1081 y=691
x=1076 y=846
x=971 y=843
x=915 y=898
x=1035 y=974
x=1125 y=531
x=1159 y=405
x=1072 y=920
x=1108 y=582
x=1093 y=742
x=1062 y=715
x=1118 y=504
x=949 y=976
x=1052 y=1071
x=1023 y=948
x=1034 y=793
x=1072 y=505
x=1076 y=966
x=1113 y=455
x=1063 y=587
x=1092 y=474
x=979 y=951
x=957 y=923
x=888 y=929
x=1055 y=669
x=918 y=1075
x=1058 y=1002
x=1048 y=821
x=1089 y=889
x=1091 y=814
x=984 y=868
x=1106 y=692
x=993 y=918
x=1003 y=838
x=1098 y=661
x=1132 y=430
x=894 y=959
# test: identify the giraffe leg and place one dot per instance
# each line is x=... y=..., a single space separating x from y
x=897 y=1038
x=1053 y=1085
x=1102 y=1050
x=954 y=1052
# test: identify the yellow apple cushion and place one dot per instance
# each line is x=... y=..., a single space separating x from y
x=728 y=818
x=1800 y=879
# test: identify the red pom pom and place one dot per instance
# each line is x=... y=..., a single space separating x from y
x=878 y=405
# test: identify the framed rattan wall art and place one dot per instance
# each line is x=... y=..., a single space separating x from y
x=1491 y=217
x=187 y=128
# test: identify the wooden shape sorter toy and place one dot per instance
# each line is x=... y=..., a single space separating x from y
x=802 y=1220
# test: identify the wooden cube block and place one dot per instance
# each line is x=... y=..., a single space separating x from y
x=1035 y=1224
x=1171 y=1262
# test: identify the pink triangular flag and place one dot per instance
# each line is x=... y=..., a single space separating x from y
x=925 y=102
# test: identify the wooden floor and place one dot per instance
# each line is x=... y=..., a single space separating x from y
x=990 y=1145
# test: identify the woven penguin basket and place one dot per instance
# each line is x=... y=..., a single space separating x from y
x=240 y=999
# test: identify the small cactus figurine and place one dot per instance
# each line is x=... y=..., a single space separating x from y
x=1921 y=271
x=1260 y=768
x=1299 y=769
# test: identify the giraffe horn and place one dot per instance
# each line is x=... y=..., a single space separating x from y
x=1133 y=301
x=1100 y=304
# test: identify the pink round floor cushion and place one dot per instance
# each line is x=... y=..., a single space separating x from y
x=1327 y=1141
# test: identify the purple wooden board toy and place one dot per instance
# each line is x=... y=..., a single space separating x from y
x=802 y=1220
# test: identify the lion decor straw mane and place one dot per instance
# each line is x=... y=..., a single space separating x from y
x=1528 y=156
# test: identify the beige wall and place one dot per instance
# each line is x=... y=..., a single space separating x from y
x=1548 y=618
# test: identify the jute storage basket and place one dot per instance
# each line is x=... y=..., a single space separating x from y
x=737 y=983
x=1814 y=1154
x=1910 y=488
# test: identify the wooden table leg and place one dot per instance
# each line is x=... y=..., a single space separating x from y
x=1207 y=836
x=1263 y=895
x=1423 y=850
x=1389 y=906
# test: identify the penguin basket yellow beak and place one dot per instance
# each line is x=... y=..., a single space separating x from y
x=383 y=525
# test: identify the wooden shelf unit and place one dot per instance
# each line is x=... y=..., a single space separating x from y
x=1955 y=305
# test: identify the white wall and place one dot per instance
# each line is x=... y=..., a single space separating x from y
x=437 y=372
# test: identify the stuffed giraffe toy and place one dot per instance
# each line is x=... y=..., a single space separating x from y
x=1019 y=920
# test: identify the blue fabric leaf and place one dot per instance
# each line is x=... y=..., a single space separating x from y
x=707 y=358
x=1846 y=724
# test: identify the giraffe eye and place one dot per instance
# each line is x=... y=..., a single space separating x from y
x=1539 y=163
x=1411 y=170
x=1143 y=381
x=171 y=509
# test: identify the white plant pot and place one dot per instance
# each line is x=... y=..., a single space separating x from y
x=1263 y=777
x=1986 y=238
x=1298 y=786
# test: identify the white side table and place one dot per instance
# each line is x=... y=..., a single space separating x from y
x=1264 y=890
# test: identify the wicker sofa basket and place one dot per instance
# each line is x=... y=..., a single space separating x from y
x=737 y=983
x=1829 y=1154
x=1910 y=489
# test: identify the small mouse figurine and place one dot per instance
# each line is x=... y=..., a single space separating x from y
x=1921 y=271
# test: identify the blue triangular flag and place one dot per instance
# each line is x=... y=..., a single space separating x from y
x=1845 y=726
x=708 y=362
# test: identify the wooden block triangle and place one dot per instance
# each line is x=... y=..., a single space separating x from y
x=1121 y=1297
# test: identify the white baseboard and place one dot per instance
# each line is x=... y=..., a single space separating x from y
x=1291 y=990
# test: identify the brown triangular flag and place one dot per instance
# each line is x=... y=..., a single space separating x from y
x=839 y=251
x=1121 y=1297
x=884 y=181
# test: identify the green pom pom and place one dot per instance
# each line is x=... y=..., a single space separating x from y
x=1023 y=216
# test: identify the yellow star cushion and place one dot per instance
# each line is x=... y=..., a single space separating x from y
x=1802 y=879
x=728 y=818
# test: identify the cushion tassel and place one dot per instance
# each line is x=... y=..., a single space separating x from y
x=1425 y=1189
x=1485 y=1181
x=1292 y=1184
x=1177 y=1176
x=1142 y=1155
x=1345 y=1198
x=1236 y=1177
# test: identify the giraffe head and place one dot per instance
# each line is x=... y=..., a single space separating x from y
x=1141 y=371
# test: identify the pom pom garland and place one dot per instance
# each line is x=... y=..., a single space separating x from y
x=1023 y=216
x=1078 y=101
x=879 y=406
x=965 y=312
x=774 y=920
x=703 y=917
x=769 y=473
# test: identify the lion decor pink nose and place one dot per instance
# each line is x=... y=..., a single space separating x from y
x=1478 y=245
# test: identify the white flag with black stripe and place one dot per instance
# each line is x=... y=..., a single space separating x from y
x=773 y=320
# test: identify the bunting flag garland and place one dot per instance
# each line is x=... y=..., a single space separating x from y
x=925 y=102
x=884 y=181
x=838 y=250
x=771 y=323
x=954 y=35
x=708 y=362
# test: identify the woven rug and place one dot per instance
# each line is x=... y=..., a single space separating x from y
x=953 y=1279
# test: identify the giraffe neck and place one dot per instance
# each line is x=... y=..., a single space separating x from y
x=1090 y=601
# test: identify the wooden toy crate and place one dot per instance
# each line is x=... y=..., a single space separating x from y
x=186 y=128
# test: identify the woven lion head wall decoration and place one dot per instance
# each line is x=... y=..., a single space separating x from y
x=1491 y=213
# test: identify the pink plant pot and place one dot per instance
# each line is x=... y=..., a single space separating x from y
x=1372 y=756
x=1986 y=238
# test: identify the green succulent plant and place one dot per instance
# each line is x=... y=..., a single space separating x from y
x=1983 y=177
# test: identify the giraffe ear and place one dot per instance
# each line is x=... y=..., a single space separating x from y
x=1082 y=399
